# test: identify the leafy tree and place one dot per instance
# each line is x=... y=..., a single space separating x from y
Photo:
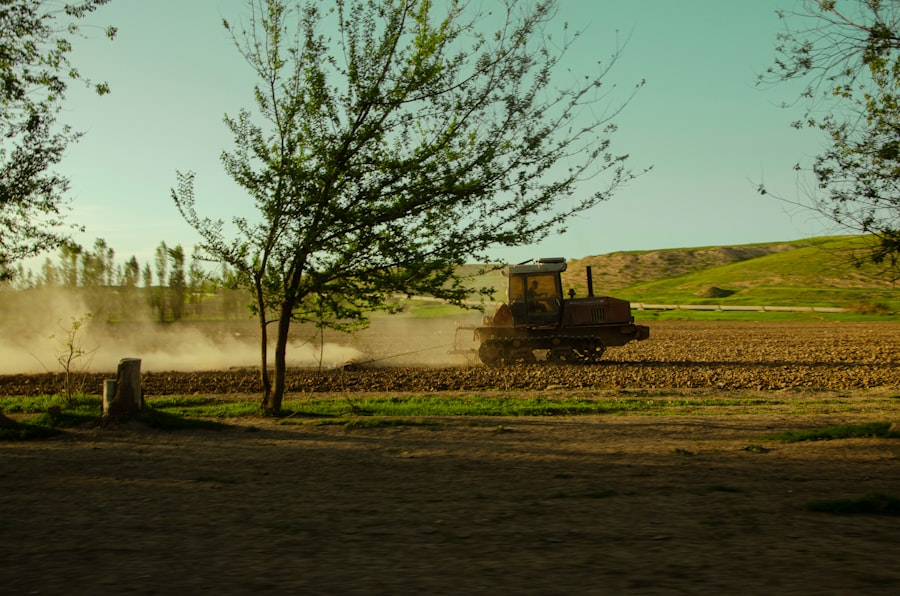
x=197 y=281
x=848 y=53
x=73 y=358
x=413 y=139
x=35 y=71
x=49 y=274
x=177 y=289
x=69 y=258
x=129 y=301
x=98 y=266
x=132 y=273
x=158 y=295
x=233 y=296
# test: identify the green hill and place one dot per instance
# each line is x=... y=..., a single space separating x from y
x=815 y=272
x=811 y=272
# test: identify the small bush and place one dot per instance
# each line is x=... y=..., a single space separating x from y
x=715 y=292
x=868 y=308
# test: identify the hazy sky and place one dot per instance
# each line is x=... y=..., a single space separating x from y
x=709 y=132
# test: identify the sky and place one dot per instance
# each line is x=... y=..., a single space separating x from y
x=709 y=132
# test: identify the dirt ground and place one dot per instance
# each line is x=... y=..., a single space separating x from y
x=698 y=502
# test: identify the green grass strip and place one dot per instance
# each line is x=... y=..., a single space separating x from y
x=41 y=403
x=422 y=406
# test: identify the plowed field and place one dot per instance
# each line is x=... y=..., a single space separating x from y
x=701 y=501
x=718 y=355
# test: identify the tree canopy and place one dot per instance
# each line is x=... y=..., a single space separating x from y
x=848 y=53
x=393 y=141
x=35 y=71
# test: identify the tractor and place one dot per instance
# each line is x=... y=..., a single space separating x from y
x=537 y=323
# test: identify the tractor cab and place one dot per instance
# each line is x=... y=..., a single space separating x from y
x=534 y=293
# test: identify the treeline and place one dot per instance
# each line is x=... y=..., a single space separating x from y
x=171 y=288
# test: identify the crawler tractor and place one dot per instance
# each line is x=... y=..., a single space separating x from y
x=538 y=323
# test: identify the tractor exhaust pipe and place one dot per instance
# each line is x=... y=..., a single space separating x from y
x=590 y=280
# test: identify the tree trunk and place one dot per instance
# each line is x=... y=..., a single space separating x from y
x=264 y=357
x=263 y=346
x=284 y=326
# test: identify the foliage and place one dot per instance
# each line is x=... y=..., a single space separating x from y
x=849 y=55
x=35 y=71
x=386 y=155
x=177 y=282
x=158 y=294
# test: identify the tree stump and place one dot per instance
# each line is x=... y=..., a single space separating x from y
x=122 y=397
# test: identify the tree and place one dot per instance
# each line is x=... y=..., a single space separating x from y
x=69 y=257
x=410 y=141
x=848 y=53
x=132 y=273
x=158 y=295
x=49 y=274
x=98 y=266
x=35 y=70
x=197 y=281
x=128 y=293
x=177 y=290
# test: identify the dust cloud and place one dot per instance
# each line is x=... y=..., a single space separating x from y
x=36 y=327
x=437 y=342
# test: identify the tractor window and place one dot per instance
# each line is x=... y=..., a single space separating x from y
x=534 y=297
x=540 y=294
x=516 y=291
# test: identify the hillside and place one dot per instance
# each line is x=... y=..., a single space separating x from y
x=619 y=270
x=809 y=272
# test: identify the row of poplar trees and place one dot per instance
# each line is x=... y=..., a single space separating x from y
x=170 y=288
